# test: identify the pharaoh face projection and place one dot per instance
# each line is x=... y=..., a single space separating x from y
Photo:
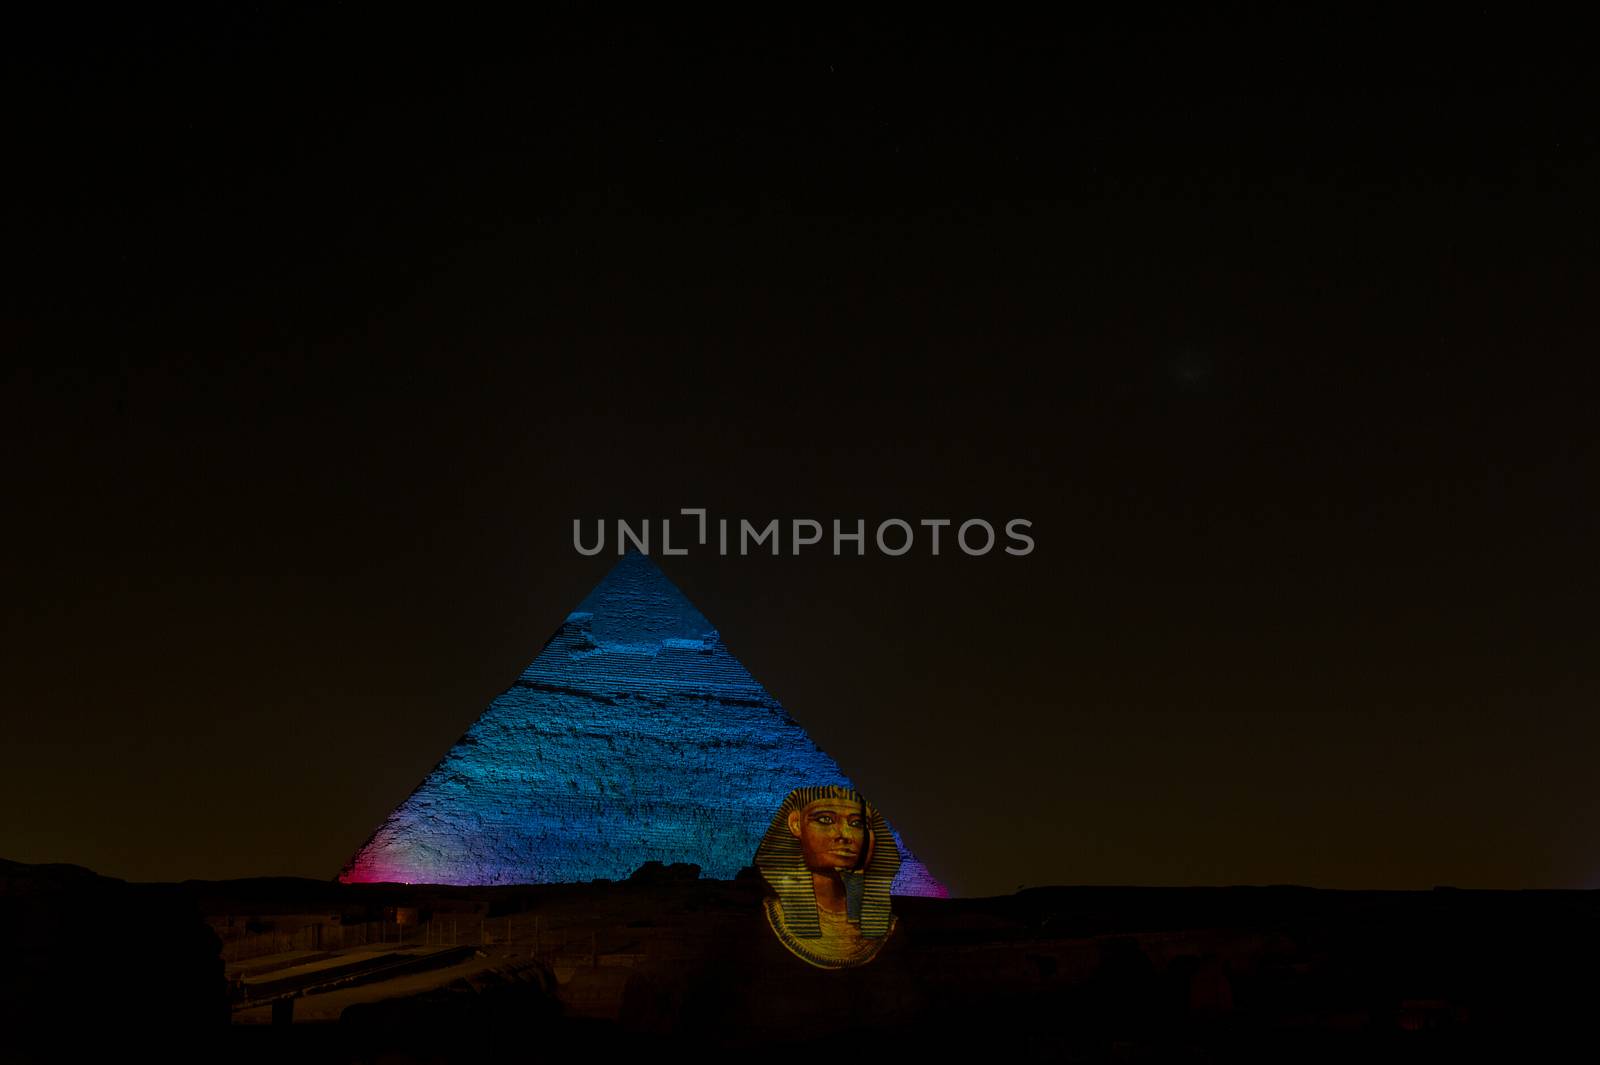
x=831 y=858
x=831 y=832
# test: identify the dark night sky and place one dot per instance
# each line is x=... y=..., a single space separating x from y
x=323 y=329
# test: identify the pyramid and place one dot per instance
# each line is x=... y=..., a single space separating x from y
x=634 y=736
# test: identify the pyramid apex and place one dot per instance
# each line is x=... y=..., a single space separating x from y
x=636 y=603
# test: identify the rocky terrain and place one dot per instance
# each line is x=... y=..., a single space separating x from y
x=337 y=972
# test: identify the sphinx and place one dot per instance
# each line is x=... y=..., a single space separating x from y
x=830 y=857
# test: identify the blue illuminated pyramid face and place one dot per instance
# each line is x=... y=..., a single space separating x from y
x=634 y=736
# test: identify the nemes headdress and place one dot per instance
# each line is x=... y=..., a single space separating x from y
x=866 y=887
